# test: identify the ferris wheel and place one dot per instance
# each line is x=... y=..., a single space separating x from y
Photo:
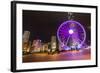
x=71 y=34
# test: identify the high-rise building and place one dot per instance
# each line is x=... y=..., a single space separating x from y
x=36 y=45
x=60 y=46
x=44 y=47
x=74 y=40
x=53 y=43
x=26 y=36
x=26 y=42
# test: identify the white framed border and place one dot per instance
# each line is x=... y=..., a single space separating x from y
x=34 y=65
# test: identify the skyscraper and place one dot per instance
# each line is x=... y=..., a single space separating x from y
x=26 y=42
x=53 y=43
x=36 y=46
x=26 y=36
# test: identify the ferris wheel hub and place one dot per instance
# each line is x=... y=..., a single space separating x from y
x=71 y=31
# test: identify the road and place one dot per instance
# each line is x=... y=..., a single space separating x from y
x=62 y=56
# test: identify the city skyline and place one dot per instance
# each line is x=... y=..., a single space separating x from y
x=37 y=45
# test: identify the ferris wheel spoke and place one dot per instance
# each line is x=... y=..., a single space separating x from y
x=64 y=35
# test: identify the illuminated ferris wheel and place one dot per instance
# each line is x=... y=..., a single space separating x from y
x=71 y=34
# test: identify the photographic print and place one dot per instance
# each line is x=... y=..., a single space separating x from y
x=47 y=36
x=56 y=36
